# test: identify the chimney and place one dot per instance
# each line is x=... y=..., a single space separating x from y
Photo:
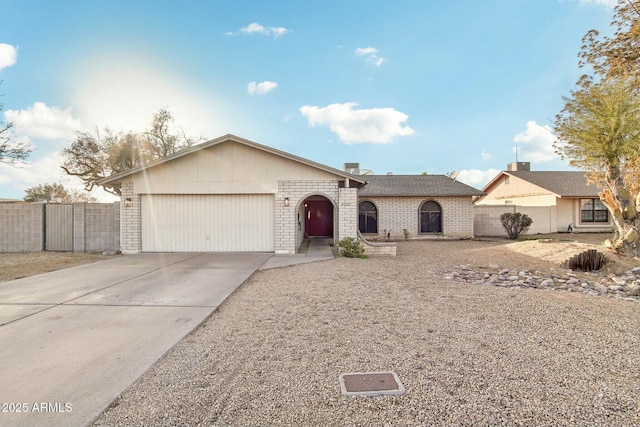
x=352 y=168
x=519 y=166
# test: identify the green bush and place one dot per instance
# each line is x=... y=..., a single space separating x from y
x=515 y=223
x=351 y=247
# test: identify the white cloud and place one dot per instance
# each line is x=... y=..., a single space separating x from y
x=610 y=4
x=376 y=125
x=371 y=55
x=41 y=121
x=255 y=28
x=536 y=143
x=477 y=178
x=261 y=88
x=485 y=155
x=42 y=171
x=8 y=55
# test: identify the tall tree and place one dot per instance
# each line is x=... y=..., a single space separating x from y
x=12 y=151
x=92 y=157
x=599 y=130
x=618 y=55
x=159 y=141
x=599 y=127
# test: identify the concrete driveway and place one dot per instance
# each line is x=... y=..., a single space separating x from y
x=72 y=340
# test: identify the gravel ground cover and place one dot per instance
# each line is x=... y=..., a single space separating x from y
x=468 y=355
x=17 y=265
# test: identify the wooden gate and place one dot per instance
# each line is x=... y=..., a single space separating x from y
x=58 y=228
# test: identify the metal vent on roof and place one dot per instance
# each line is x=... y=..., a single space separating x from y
x=352 y=168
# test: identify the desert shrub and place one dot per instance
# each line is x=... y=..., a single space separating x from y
x=515 y=223
x=351 y=247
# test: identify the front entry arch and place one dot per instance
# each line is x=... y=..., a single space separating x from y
x=318 y=217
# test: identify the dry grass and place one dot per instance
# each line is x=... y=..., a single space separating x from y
x=17 y=265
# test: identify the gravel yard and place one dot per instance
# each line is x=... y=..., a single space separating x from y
x=17 y=265
x=467 y=354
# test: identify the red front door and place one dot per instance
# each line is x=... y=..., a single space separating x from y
x=319 y=218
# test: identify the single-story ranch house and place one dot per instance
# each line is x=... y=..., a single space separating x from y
x=558 y=201
x=232 y=194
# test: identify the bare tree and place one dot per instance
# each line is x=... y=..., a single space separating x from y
x=92 y=157
x=12 y=152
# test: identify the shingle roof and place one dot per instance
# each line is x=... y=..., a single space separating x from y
x=562 y=183
x=415 y=185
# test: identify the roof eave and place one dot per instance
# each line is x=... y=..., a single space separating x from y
x=421 y=195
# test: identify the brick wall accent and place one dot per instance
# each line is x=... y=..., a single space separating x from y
x=21 y=227
x=131 y=220
x=379 y=248
x=348 y=213
x=289 y=220
x=399 y=213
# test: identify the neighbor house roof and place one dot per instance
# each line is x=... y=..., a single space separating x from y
x=415 y=185
x=117 y=178
x=562 y=183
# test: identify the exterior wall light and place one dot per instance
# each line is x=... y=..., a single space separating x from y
x=128 y=202
x=286 y=202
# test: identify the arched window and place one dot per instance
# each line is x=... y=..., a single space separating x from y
x=430 y=217
x=367 y=218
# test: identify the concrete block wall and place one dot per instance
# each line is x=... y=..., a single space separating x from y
x=288 y=232
x=95 y=227
x=21 y=227
x=131 y=220
x=79 y=218
x=102 y=226
x=545 y=220
x=399 y=213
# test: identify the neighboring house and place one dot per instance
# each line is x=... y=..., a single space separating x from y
x=557 y=201
x=421 y=205
x=232 y=194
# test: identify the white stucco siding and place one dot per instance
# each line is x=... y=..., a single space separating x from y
x=517 y=191
x=226 y=168
x=569 y=213
x=207 y=223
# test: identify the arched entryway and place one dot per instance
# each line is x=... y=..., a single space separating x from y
x=430 y=217
x=318 y=217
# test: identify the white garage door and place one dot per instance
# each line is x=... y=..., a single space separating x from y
x=208 y=223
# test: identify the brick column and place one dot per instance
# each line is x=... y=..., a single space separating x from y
x=79 y=211
x=347 y=213
x=130 y=220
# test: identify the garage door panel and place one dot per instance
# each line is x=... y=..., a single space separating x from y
x=207 y=223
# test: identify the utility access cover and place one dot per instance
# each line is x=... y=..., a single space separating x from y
x=371 y=384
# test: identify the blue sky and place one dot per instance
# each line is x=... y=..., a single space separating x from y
x=399 y=86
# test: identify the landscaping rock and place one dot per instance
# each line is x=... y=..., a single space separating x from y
x=612 y=286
